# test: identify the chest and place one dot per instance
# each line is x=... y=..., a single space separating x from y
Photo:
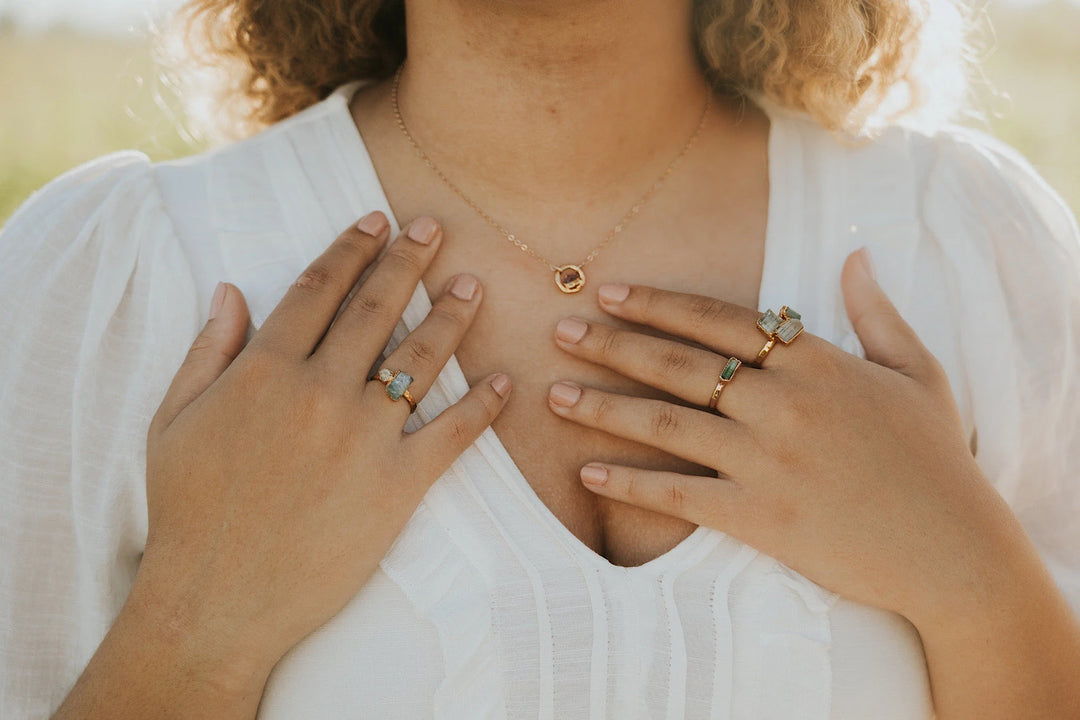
x=703 y=232
x=514 y=333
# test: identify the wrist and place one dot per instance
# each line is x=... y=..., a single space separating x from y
x=197 y=647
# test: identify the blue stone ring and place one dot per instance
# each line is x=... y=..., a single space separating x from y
x=397 y=385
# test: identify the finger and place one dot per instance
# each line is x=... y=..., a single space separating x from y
x=725 y=327
x=700 y=437
x=435 y=446
x=701 y=500
x=213 y=350
x=362 y=330
x=303 y=315
x=887 y=338
x=677 y=368
x=427 y=348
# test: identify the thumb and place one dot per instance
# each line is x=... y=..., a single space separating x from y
x=887 y=338
x=212 y=351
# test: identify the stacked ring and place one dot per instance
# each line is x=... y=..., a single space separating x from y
x=785 y=327
x=726 y=373
x=397 y=385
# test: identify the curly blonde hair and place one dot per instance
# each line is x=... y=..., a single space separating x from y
x=850 y=64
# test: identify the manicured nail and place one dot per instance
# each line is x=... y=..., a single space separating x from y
x=867 y=263
x=614 y=293
x=464 y=287
x=564 y=394
x=373 y=223
x=501 y=384
x=423 y=229
x=218 y=300
x=594 y=474
x=571 y=329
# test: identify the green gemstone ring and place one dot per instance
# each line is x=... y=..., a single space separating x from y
x=726 y=373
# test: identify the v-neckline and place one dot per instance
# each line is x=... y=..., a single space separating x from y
x=778 y=284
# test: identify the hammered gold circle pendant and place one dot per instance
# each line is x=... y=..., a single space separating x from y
x=570 y=278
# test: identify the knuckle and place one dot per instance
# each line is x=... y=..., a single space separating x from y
x=366 y=305
x=316 y=278
x=459 y=431
x=405 y=261
x=357 y=242
x=675 y=359
x=664 y=421
x=602 y=409
x=420 y=352
x=447 y=313
x=607 y=343
x=201 y=345
x=674 y=495
x=705 y=311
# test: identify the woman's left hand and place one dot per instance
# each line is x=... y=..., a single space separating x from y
x=855 y=473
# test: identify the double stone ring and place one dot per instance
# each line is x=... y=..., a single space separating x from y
x=397 y=384
x=784 y=326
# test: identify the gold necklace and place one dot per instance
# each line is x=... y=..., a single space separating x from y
x=568 y=278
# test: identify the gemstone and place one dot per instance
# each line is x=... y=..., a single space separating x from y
x=789 y=313
x=789 y=330
x=386 y=375
x=398 y=385
x=570 y=278
x=769 y=322
x=729 y=369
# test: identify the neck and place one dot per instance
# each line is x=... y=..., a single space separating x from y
x=557 y=101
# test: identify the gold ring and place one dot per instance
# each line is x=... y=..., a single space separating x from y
x=784 y=326
x=765 y=351
x=397 y=385
x=726 y=373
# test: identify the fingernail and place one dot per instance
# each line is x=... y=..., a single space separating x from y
x=571 y=329
x=373 y=223
x=614 y=293
x=594 y=474
x=501 y=384
x=867 y=263
x=218 y=300
x=564 y=394
x=422 y=230
x=464 y=287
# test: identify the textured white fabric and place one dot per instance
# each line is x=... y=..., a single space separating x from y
x=487 y=607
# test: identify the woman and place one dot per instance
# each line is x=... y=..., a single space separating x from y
x=885 y=499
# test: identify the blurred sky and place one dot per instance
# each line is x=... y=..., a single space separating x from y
x=119 y=16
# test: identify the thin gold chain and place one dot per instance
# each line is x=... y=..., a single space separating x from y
x=524 y=247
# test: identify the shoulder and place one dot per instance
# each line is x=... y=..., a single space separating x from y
x=982 y=257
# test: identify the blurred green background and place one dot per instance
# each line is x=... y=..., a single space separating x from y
x=67 y=96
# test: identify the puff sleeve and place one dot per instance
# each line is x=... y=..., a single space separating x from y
x=1014 y=251
x=97 y=307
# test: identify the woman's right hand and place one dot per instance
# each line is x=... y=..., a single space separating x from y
x=278 y=475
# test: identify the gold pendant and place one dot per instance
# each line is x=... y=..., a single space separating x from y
x=570 y=278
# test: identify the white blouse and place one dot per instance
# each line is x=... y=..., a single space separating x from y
x=486 y=606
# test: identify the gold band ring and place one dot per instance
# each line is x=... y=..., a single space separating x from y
x=397 y=385
x=726 y=373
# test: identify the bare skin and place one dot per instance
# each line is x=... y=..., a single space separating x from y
x=557 y=114
x=558 y=158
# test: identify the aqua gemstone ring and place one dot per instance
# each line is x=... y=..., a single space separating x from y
x=397 y=384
